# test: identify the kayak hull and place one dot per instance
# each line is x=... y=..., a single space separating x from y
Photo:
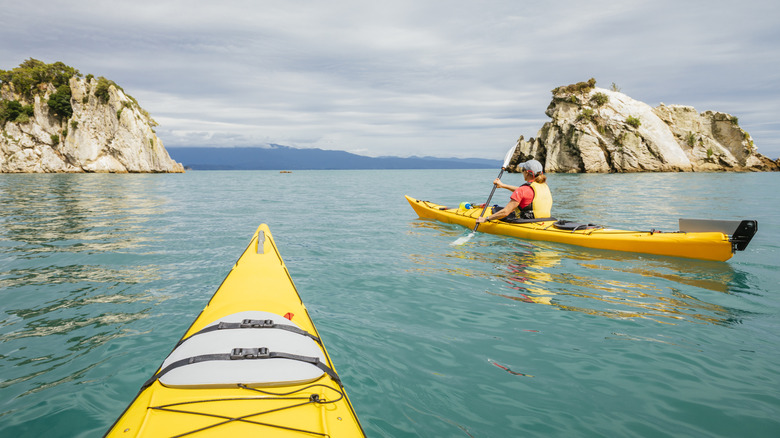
x=259 y=281
x=714 y=246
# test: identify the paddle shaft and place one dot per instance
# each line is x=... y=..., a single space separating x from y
x=488 y=200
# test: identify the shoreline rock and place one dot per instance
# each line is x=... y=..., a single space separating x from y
x=594 y=130
x=113 y=135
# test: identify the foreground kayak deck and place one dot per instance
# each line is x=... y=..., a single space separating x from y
x=707 y=245
x=251 y=364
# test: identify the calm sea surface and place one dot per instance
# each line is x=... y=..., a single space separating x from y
x=101 y=274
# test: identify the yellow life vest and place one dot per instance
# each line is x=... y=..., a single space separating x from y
x=542 y=202
x=541 y=206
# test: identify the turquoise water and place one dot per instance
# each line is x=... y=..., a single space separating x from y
x=101 y=274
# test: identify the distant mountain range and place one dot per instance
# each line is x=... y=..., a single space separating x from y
x=278 y=157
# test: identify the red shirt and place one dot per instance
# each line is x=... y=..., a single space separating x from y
x=524 y=195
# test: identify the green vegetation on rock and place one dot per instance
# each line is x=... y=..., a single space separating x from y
x=32 y=73
x=31 y=78
x=633 y=121
x=14 y=111
x=101 y=91
x=587 y=115
x=599 y=99
x=35 y=78
x=579 y=87
x=59 y=102
x=691 y=139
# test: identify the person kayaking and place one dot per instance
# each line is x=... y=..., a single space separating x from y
x=531 y=200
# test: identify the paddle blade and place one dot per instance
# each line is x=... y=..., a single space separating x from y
x=508 y=156
x=463 y=239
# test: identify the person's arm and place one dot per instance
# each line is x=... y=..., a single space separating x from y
x=504 y=212
x=501 y=185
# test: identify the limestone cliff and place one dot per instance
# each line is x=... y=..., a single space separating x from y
x=109 y=132
x=596 y=130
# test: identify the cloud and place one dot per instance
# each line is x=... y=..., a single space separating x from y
x=442 y=78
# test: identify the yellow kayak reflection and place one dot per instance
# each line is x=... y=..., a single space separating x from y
x=540 y=273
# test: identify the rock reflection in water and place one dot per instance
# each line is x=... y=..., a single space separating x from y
x=77 y=213
x=72 y=250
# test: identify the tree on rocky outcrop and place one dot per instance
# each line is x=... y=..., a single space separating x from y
x=101 y=90
x=14 y=111
x=54 y=120
x=28 y=78
x=33 y=77
x=59 y=102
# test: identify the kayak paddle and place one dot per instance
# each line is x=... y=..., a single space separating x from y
x=507 y=158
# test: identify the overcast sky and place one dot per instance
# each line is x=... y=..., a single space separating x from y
x=440 y=78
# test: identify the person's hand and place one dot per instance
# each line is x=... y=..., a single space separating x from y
x=481 y=219
x=497 y=182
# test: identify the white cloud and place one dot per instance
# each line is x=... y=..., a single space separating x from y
x=444 y=78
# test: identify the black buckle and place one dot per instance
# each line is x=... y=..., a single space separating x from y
x=257 y=323
x=249 y=353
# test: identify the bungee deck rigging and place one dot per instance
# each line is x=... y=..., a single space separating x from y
x=207 y=411
x=252 y=363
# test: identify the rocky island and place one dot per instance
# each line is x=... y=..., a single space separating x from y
x=595 y=130
x=54 y=120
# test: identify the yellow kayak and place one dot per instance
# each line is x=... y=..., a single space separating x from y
x=251 y=364
x=697 y=239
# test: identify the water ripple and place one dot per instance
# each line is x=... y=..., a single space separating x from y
x=101 y=274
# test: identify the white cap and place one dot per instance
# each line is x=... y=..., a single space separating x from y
x=532 y=166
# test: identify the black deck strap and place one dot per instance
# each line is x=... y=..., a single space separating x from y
x=182 y=362
x=245 y=354
x=252 y=324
